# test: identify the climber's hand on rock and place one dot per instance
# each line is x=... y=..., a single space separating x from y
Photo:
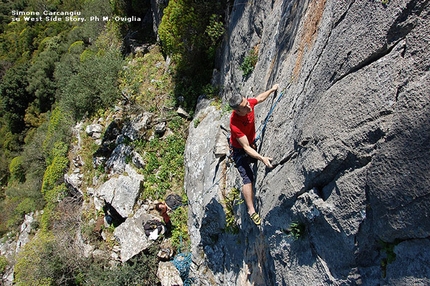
x=266 y=161
x=275 y=87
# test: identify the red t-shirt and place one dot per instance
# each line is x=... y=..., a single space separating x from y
x=243 y=125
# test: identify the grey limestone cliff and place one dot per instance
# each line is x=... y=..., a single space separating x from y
x=350 y=141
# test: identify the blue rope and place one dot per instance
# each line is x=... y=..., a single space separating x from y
x=263 y=126
x=182 y=262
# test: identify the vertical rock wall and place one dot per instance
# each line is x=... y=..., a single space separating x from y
x=350 y=138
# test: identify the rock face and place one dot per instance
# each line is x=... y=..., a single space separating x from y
x=131 y=235
x=349 y=139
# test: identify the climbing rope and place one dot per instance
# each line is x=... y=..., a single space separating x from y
x=263 y=126
x=182 y=262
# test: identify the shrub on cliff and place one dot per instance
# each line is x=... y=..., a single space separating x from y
x=190 y=32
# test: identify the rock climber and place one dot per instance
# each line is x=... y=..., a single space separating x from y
x=242 y=138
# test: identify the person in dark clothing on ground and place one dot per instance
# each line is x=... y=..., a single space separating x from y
x=162 y=209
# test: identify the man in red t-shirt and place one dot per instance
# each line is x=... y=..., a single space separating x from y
x=242 y=127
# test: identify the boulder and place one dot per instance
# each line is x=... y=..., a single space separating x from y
x=94 y=130
x=168 y=274
x=7 y=250
x=131 y=235
x=121 y=191
x=222 y=146
x=137 y=160
x=137 y=126
x=24 y=232
x=117 y=161
x=157 y=7
x=181 y=112
x=160 y=128
x=165 y=254
x=74 y=182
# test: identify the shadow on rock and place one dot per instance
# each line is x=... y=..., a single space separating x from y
x=111 y=215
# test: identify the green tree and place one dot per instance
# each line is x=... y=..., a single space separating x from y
x=92 y=30
x=179 y=28
x=189 y=32
x=5 y=7
x=10 y=42
x=14 y=97
x=34 y=156
x=16 y=169
x=94 y=86
x=41 y=74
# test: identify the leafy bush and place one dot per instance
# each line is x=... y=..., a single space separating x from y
x=26 y=206
x=8 y=216
x=214 y=30
x=33 y=262
x=16 y=169
x=249 y=62
x=55 y=171
x=140 y=270
x=47 y=261
x=58 y=130
x=20 y=199
x=231 y=201
x=388 y=254
x=180 y=236
x=164 y=169
x=296 y=230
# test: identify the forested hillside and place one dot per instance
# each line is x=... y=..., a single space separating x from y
x=53 y=74
x=64 y=62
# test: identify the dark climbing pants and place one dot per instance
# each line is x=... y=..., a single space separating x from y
x=243 y=162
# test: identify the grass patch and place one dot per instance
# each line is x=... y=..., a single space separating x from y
x=180 y=237
x=3 y=264
x=164 y=169
x=147 y=81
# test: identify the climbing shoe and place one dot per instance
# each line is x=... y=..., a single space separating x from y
x=256 y=218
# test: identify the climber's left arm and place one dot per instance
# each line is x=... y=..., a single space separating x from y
x=262 y=96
